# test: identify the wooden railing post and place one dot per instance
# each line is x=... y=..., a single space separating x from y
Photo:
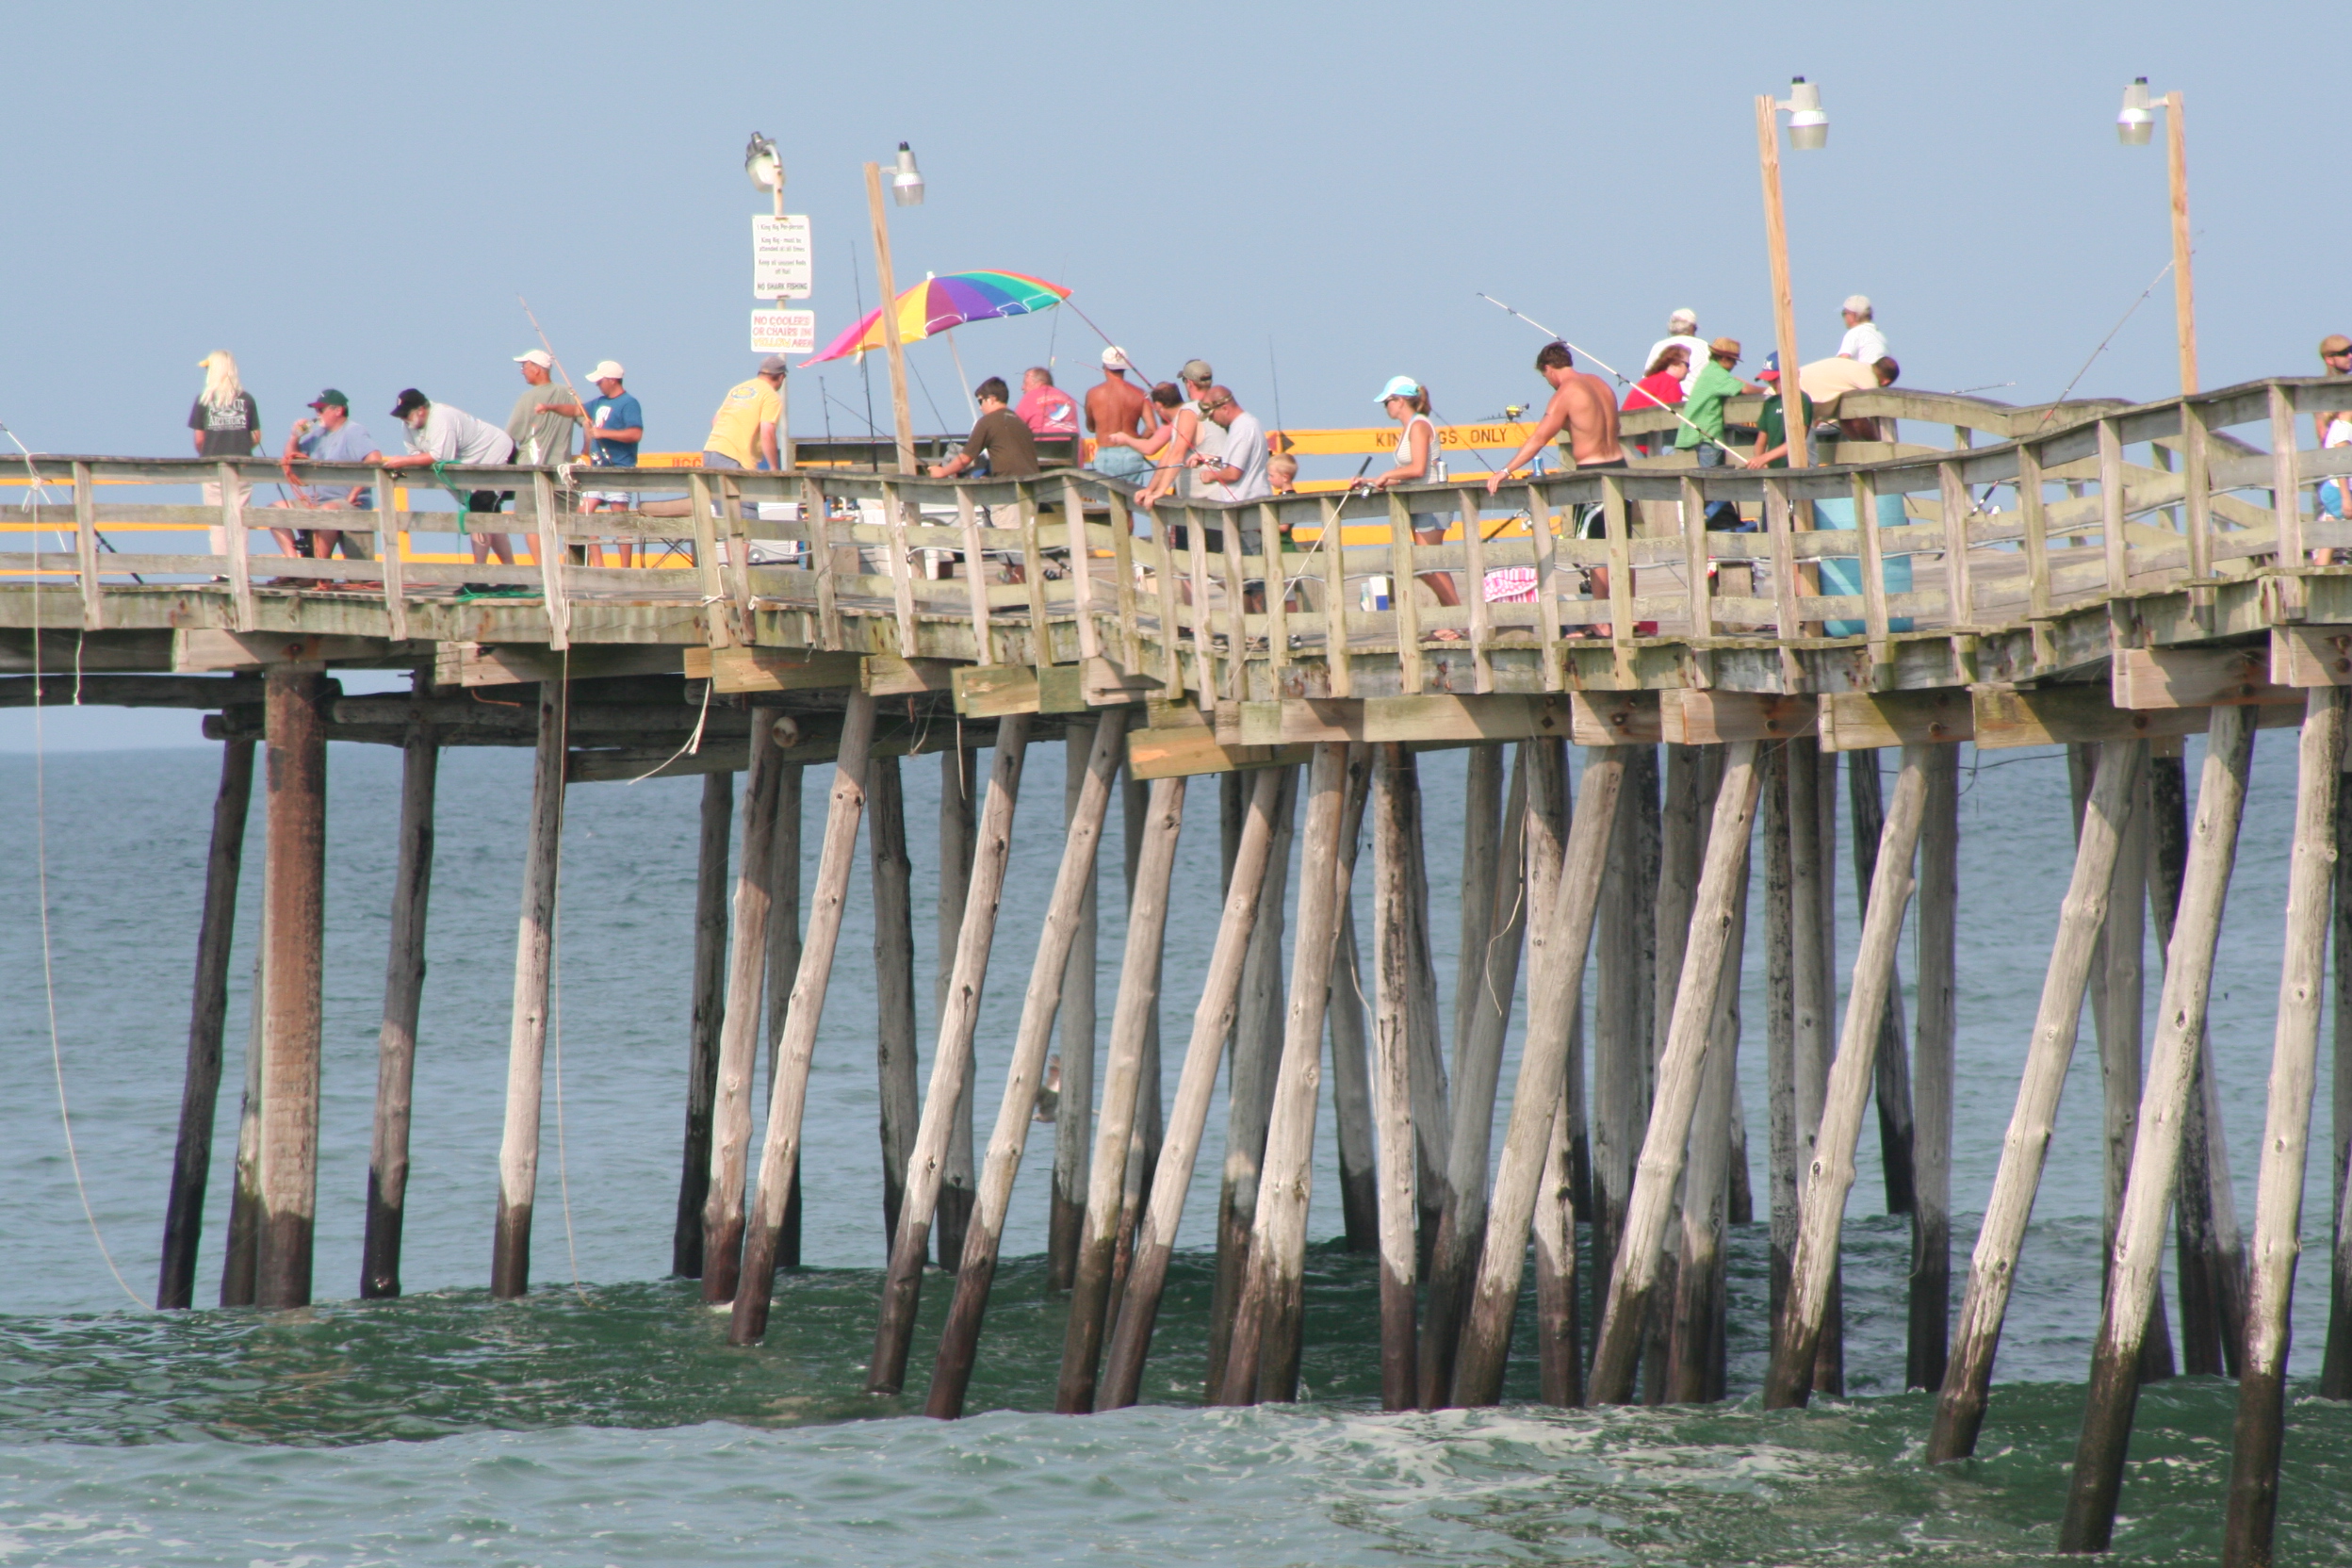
x=816 y=517
x=2285 y=503
x=975 y=575
x=2036 y=524
x=1124 y=593
x=1873 y=577
x=389 y=556
x=2111 y=538
x=86 y=550
x=1033 y=577
x=1401 y=601
x=1694 y=559
x=1335 y=602
x=1620 y=577
x=1547 y=588
x=550 y=561
x=233 y=524
x=1482 y=620
x=2197 y=502
x=902 y=584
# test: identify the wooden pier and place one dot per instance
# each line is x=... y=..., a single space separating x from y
x=2107 y=577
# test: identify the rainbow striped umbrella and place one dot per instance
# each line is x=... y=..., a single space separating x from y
x=938 y=303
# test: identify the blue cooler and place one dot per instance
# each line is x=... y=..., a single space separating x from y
x=1842 y=574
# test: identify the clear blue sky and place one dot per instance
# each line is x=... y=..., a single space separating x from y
x=355 y=196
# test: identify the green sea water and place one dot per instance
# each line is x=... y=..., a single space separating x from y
x=609 y=1423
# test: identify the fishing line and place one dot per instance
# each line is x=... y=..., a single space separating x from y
x=1610 y=368
x=48 y=966
x=2136 y=305
x=694 y=741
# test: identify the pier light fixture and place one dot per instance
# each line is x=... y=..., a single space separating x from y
x=907 y=184
x=2137 y=123
x=2136 y=126
x=1808 y=131
x=1809 y=122
x=760 y=162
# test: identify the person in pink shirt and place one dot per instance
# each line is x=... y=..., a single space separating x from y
x=1045 y=408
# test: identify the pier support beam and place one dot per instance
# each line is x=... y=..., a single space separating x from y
x=403 y=994
x=899 y=1085
x=2025 y=1147
x=947 y=1101
x=1106 y=1176
x=1073 y=1113
x=527 y=1044
x=1782 y=1182
x=200 y=1091
x=2114 y=1389
x=2335 y=1376
x=1931 y=1078
x=1263 y=1360
x=783 y=966
x=959 y=782
x=1829 y=1178
x=1697 y=1343
x=1555 y=963
x=1634 y=1281
x=239 y=1253
x=2253 y=1515
x=1220 y=993
x=713 y=847
x=1891 y=1081
x=788 y=1095
x=1066 y=919
x=293 y=924
x=1392 y=984
x=739 y=1030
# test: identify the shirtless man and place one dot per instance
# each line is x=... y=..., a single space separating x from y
x=1587 y=409
x=1119 y=406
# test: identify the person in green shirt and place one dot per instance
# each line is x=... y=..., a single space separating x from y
x=1701 y=429
x=1772 y=424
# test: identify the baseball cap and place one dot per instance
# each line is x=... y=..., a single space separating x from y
x=1686 y=318
x=329 y=397
x=1725 y=346
x=411 y=400
x=772 y=366
x=2334 y=343
x=1115 y=358
x=540 y=357
x=1198 y=371
x=607 y=369
x=1858 y=303
x=1398 y=386
x=1770 y=369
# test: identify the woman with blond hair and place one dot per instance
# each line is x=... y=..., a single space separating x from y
x=227 y=424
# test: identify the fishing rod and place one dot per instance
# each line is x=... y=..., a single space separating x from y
x=1680 y=416
x=35 y=488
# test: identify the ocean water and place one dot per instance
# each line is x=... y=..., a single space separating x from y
x=606 y=1421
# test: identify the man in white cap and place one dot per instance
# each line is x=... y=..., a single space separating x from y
x=1682 y=328
x=615 y=425
x=1116 y=405
x=1863 y=343
x=540 y=425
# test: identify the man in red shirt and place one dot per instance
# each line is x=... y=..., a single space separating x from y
x=1046 y=409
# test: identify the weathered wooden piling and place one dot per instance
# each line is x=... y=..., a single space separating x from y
x=1431 y=1120
x=1813 y=907
x=740 y=1022
x=788 y=1095
x=1249 y=1083
x=928 y=1167
x=1065 y=920
x=1352 y=1071
x=1635 y=1276
x=1138 y=981
x=1829 y=1176
x=1393 y=986
x=1073 y=1109
x=1696 y=1337
x=293 y=927
x=199 y=1090
x=527 y=1044
x=1622 y=1059
x=1559 y=1333
x=1932 y=1082
x=1992 y=1271
x=2248 y=1538
x=898 y=1085
x=240 y=1246
x=715 y=845
x=1220 y=994
x=2090 y=1517
x=1781 y=1180
x=1891 y=1081
x=2335 y=1375
x=1262 y=1360
x=959 y=788
x=783 y=967
x=1555 y=964
x=403 y=994
x=1491 y=976
x=2212 y=1261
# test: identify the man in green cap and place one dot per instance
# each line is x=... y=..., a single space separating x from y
x=331 y=437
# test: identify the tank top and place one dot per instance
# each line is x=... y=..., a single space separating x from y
x=1404 y=446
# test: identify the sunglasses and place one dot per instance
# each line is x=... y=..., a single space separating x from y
x=2336 y=353
x=1212 y=408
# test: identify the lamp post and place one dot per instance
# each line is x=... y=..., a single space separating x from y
x=767 y=170
x=2135 y=127
x=907 y=189
x=1808 y=131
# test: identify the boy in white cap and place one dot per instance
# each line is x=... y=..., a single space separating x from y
x=1116 y=406
x=1863 y=341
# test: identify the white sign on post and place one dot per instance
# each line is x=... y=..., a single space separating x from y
x=782 y=263
x=783 y=331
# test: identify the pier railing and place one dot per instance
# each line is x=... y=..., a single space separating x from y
x=1566 y=579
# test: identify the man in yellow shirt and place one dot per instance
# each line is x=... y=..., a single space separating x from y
x=744 y=430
